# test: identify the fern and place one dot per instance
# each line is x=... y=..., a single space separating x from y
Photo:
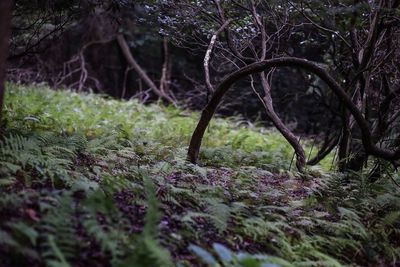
x=147 y=250
x=71 y=186
x=59 y=259
x=44 y=155
x=59 y=241
x=219 y=213
x=227 y=258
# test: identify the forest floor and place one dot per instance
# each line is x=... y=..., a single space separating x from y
x=90 y=181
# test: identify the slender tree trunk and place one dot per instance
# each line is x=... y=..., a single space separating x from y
x=5 y=30
x=327 y=147
x=143 y=75
x=282 y=128
x=164 y=80
x=207 y=57
x=343 y=151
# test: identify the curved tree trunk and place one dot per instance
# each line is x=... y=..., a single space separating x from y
x=226 y=84
x=278 y=123
x=324 y=151
x=5 y=29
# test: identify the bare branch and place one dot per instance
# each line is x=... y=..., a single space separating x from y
x=143 y=75
x=211 y=107
x=322 y=27
x=208 y=55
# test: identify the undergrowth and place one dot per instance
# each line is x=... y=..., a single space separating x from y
x=91 y=181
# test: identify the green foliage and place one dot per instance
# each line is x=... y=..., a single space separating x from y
x=41 y=109
x=60 y=244
x=227 y=258
x=87 y=181
x=148 y=250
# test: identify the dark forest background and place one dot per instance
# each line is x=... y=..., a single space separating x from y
x=57 y=41
x=334 y=71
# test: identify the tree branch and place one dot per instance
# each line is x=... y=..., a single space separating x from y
x=208 y=55
x=143 y=75
x=226 y=84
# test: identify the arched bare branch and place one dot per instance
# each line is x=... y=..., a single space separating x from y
x=314 y=68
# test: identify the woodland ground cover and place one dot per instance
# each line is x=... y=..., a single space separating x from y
x=91 y=181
